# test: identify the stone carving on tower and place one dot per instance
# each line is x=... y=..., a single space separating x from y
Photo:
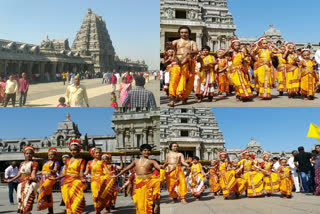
x=93 y=40
x=194 y=129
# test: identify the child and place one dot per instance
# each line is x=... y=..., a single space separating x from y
x=221 y=69
x=227 y=178
x=113 y=100
x=147 y=185
x=112 y=171
x=197 y=177
x=49 y=169
x=27 y=187
x=65 y=157
x=101 y=187
x=271 y=180
x=62 y=101
x=286 y=179
x=308 y=76
x=74 y=180
x=213 y=177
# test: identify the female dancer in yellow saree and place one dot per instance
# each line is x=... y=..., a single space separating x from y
x=242 y=86
x=101 y=187
x=292 y=71
x=27 y=187
x=213 y=177
x=227 y=178
x=49 y=169
x=308 y=76
x=112 y=171
x=74 y=182
x=197 y=177
x=286 y=179
x=282 y=68
x=271 y=179
x=254 y=178
x=263 y=68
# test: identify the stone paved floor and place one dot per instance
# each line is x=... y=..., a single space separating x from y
x=48 y=94
x=124 y=205
x=277 y=101
x=300 y=203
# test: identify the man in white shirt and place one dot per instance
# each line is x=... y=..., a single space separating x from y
x=76 y=95
x=294 y=172
x=276 y=163
x=11 y=172
x=11 y=91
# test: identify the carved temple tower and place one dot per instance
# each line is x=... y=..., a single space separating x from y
x=210 y=22
x=93 y=40
x=194 y=129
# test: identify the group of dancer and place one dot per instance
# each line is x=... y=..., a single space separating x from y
x=188 y=69
x=144 y=182
x=228 y=177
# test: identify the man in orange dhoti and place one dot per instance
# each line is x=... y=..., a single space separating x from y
x=49 y=169
x=175 y=178
x=182 y=76
x=147 y=185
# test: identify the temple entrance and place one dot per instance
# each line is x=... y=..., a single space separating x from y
x=187 y=152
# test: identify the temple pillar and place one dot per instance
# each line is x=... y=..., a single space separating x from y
x=53 y=71
x=132 y=138
x=198 y=40
x=198 y=151
x=5 y=67
x=162 y=41
x=29 y=70
x=144 y=136
x=41 y=71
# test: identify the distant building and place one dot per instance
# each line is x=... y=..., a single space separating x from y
x=255 y=148
x=276 y=36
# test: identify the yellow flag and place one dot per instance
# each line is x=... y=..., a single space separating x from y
x=314 y=131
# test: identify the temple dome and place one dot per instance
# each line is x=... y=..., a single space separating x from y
x=272 y=31
x=253 y=143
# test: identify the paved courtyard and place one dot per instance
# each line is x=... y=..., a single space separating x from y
x=277 y=101
x=300 y=203
x=48 y=94
x=124 y=205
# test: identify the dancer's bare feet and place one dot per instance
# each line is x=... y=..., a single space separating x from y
x=184 y=201
x=175 y=200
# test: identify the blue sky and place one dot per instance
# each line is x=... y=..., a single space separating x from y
x=297 y=20
x=43 y=122
x=133 y=25
x=276 y=129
